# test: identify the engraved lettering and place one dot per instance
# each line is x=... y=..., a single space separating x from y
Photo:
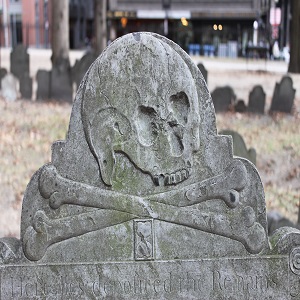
x=156 y=285
x=168 y=284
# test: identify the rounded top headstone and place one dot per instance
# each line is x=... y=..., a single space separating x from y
x=145 y=97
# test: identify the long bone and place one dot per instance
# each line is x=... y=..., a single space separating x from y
x=60 y=190
x=237 y=224
x=225 y=186
x=45 y=231
x=160 y=206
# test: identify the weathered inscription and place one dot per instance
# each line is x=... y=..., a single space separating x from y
x=212 y=279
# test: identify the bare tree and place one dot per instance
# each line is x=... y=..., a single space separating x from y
x=60 y=34
x=60 y=80
x=100 y=25
x=294 y=65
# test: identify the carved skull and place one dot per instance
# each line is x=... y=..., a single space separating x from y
x=147 y=109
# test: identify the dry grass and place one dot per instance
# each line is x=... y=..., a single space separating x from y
x=277 y=143
x=27 y=132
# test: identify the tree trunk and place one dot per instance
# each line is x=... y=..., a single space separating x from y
x=294 y=65
x=100 y=25
x=60 y=34
x=60 y=75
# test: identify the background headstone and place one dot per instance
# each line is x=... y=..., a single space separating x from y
x=257 y=100
x=61 y=85
x=26 y=86
x=276 y=221
x=43 y=85
x=283 y=96
x=81 y=66
x=239 y=146
x=10 y=85
x=203 y=71
x=223 y=98
x=240 y=106
x=19 y=67
x=19 y=61
x=3 y=72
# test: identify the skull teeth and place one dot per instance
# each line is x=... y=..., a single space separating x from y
x=173 y=178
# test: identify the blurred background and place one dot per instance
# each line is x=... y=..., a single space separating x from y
x=212 y=28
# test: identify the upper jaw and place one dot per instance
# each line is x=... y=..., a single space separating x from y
x=171 y=178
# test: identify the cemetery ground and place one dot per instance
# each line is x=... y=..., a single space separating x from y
x=28 y=128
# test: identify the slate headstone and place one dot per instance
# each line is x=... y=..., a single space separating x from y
x=240 y=106
x=203 y=71
x=143 y=200
x=60 y=85
x=26 y=86
x=239 y=146
x=3 y=72
x=276 y=221
x=223 y=98
x=257 y=100
x=19 y=67
x=283 y=96
x=43 y=85
x=81 y=66
x=10 y=85
x=19 y=61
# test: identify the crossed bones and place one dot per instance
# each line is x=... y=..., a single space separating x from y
x=177 y=206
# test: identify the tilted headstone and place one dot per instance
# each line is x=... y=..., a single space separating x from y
x=203 y=71
x=43 y=85
x=81 y=66
x=257 y=100
x=283 y=96
x=10 y=85
x=143 y=200
x=239 y=146
x=223 y=98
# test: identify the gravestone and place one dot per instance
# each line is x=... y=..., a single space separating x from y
x=3 y=72
x=283 y=96
x=26 y=86
x=257 y=100
x=19 y=61
x=239 y=146
x=240 y=106
x=203 y=71
x=19 y=67
x=81 y=66
x=143 y=200
x=60 y=84
x=223 y=98
x=9 y=85
x=43 y=85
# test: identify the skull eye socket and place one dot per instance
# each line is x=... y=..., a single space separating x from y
x=147 y=126
x=181 y=107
